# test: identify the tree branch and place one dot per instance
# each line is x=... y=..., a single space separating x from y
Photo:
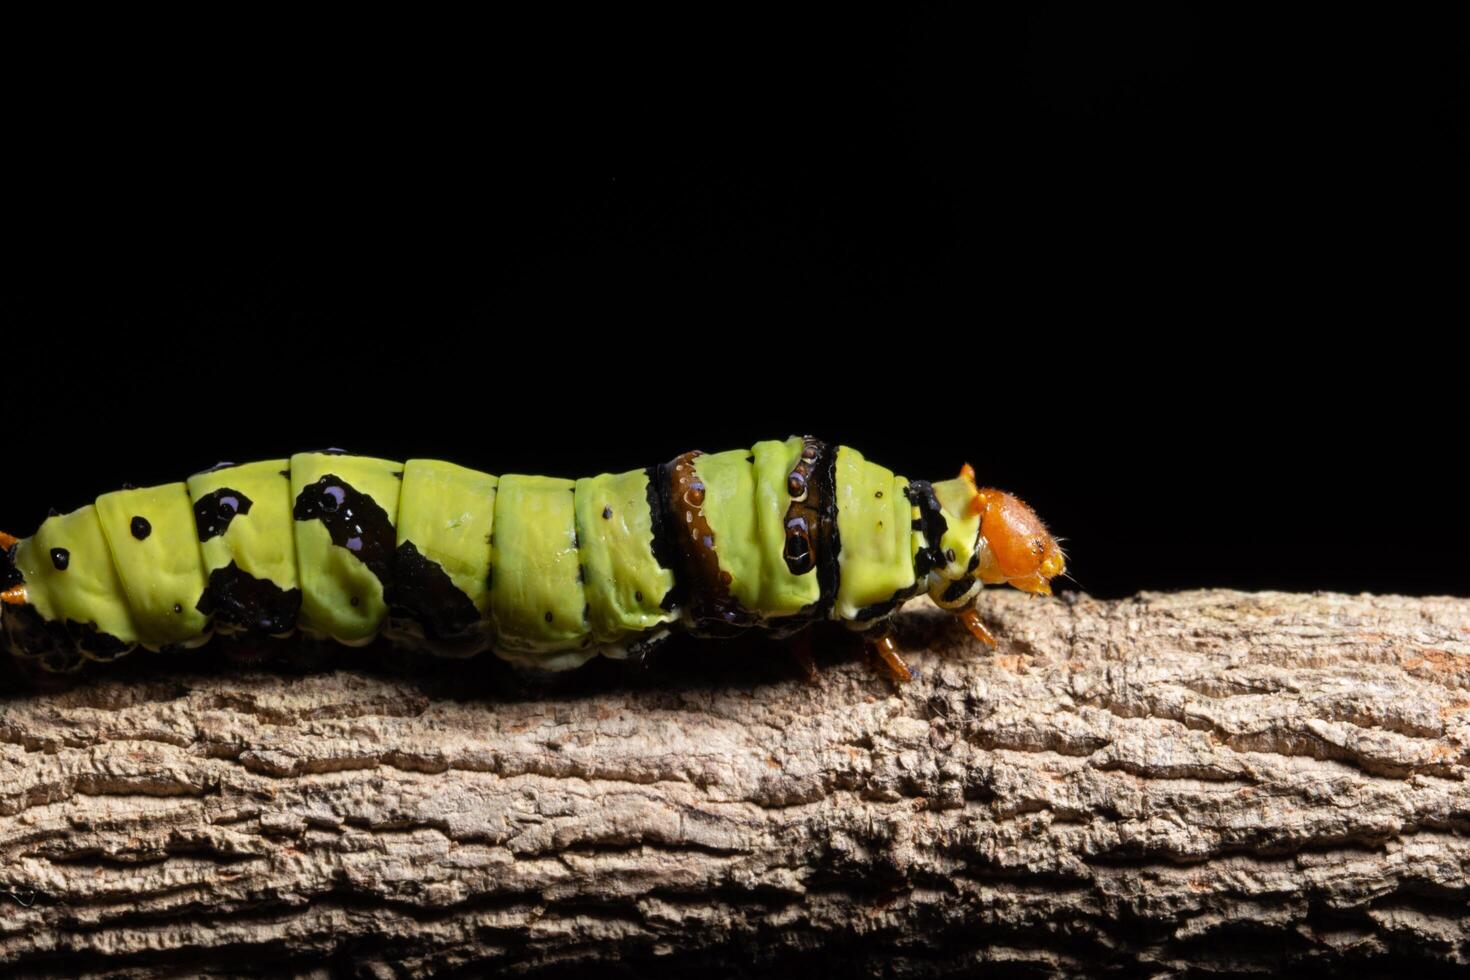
x=1210 y=781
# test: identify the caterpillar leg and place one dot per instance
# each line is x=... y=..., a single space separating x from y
x=977 y=629
x=799 y=646
x=887 y=652
x=14 y=596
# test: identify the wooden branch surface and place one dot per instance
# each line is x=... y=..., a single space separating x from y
x=1193 y=782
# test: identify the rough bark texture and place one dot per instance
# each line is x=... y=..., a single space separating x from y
x=1205 y=781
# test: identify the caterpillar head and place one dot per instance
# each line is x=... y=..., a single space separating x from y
x=1015 y=547
x=989 y=537
x=1010 y=545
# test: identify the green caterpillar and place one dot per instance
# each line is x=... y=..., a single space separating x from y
x=547 y=572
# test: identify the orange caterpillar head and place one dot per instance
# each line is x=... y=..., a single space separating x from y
x=1015 y=546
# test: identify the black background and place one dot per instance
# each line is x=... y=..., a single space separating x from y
x=1192 y=284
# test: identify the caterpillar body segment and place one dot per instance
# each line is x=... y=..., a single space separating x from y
x=629 y=590
x=875 y=525
x=74 y=600
x=158 y=562
x=547 y=572
x=537 y=596
x=448 y=512
x=249 y=563
x=344 y=509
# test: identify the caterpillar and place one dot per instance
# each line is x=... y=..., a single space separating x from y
x=546 y=572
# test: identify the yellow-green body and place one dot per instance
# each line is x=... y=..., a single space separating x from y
x=624 y=583
x=536 y=594
x=162 y=572
x=962 y=530
x=88 y=589
x=729 y=507
x=782 y=592
x=448 y=512
x=260 y=542
x=340 y=596
x=874 y=519
x=553 y=570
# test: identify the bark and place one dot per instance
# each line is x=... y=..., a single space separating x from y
x=1203 y=782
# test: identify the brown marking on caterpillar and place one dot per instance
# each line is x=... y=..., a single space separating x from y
x=714 y=611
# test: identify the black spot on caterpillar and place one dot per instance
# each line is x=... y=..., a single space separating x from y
x=355 y=521
x=930 y=523
x=421 y=592
x=214 y=511
x=240 y=602
x=439 y=557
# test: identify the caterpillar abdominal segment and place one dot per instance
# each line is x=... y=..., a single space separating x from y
x=546 y=572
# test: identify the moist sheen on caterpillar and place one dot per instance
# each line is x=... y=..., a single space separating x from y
x=546 y=572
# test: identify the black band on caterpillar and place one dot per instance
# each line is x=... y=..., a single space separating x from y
x=960 y=592
x=931 y=523
x=878 y=610
x=957 y=590
x=665 y=551
x=829 y=542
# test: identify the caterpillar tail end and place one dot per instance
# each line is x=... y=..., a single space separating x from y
x=15 y=593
